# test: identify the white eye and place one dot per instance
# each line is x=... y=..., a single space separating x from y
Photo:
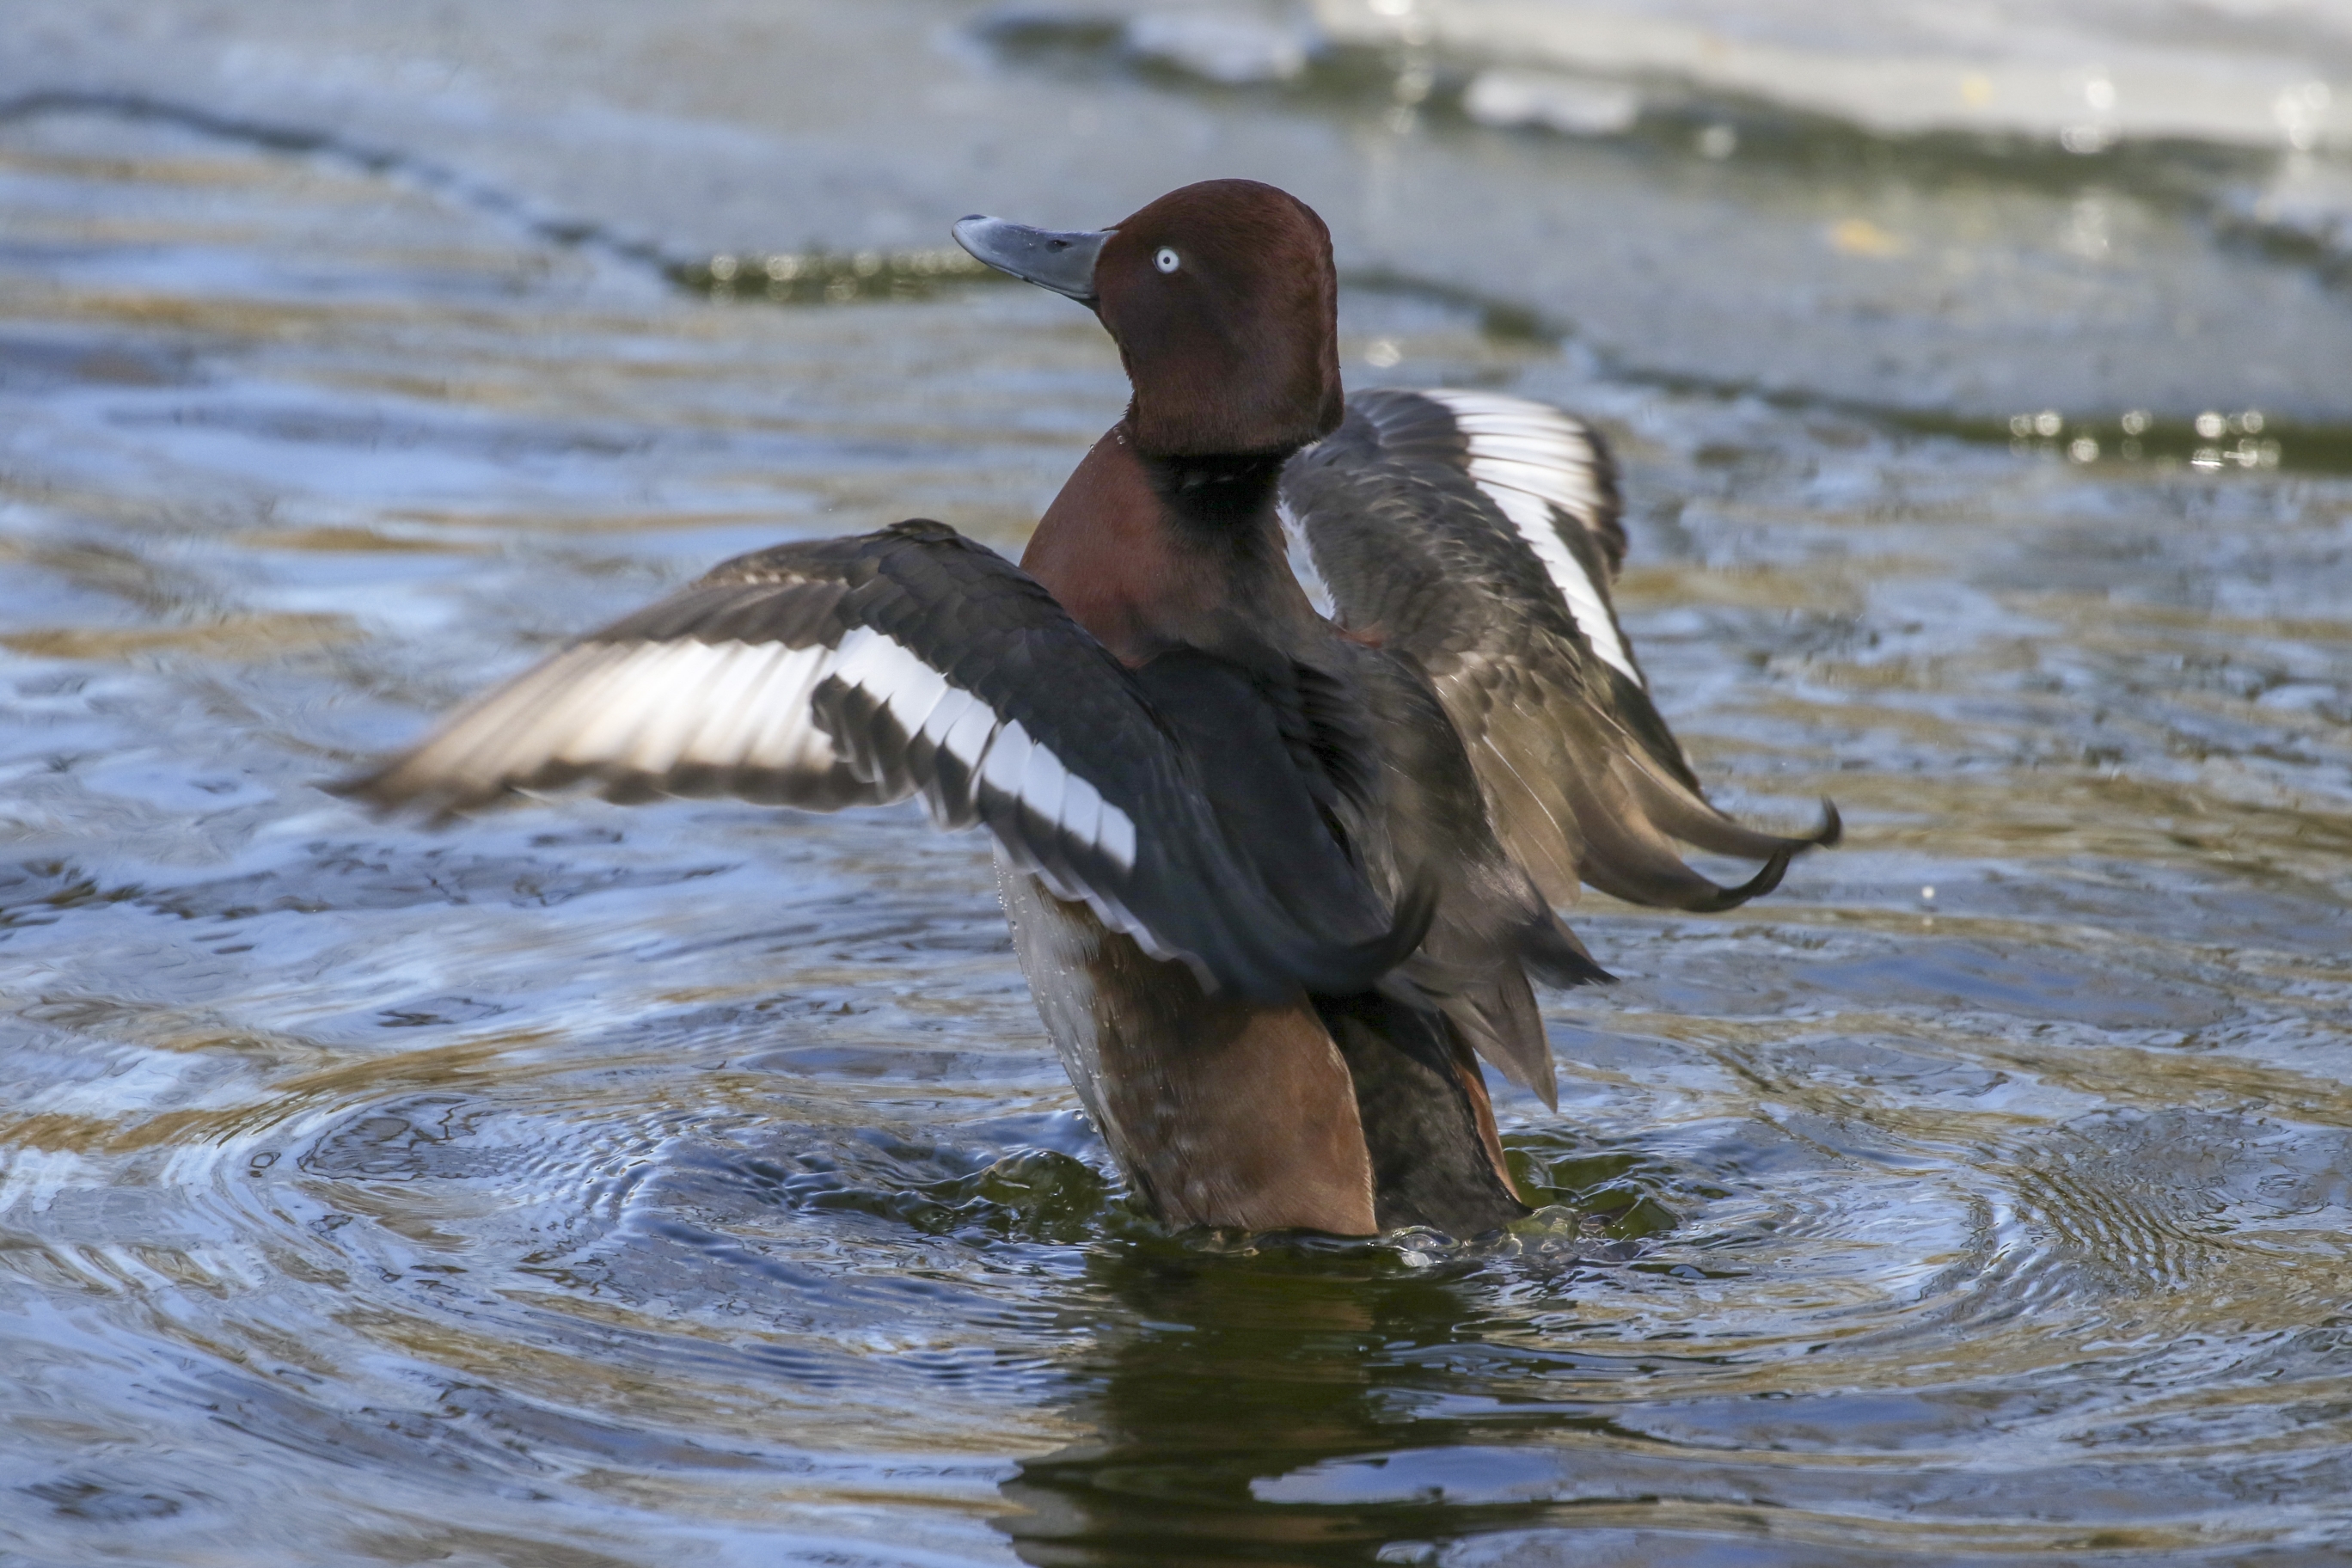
x=1167 y=260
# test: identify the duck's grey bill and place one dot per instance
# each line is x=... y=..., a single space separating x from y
x=1062 y=262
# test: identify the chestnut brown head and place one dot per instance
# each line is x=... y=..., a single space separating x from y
x=1223 y=300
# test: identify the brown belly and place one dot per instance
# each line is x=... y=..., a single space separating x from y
x=1220 y=1113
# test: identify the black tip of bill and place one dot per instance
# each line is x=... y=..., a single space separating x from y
x=1062 y=262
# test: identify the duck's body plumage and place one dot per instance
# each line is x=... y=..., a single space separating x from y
x=1277 y=878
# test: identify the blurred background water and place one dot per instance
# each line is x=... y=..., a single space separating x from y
x=694 y=1184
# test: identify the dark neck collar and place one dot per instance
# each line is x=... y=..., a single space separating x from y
x=1220 y=491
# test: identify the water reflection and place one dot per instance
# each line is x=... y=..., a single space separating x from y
x=1238 y=1379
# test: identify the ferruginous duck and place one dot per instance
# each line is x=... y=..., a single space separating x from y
x=1278 y=875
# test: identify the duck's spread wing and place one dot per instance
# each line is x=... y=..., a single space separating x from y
x=903 y=662
x=1480 y=533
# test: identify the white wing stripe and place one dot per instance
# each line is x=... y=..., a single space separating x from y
x=1117 y=836
x=967 y=739
x=881 y=666
x=1555 y=430
x=1020 y=766
x=1545 y=472
x=1496 y=402
x=1082 y=807
x=912 y=704
x=782 y=735
x=669 y=724
x=533 y=738
x=1547 y=447
x=1008 y=758
x=626 y=701
x=572 y=703
x=1302 y=562
x=1044 y=785
x=941 y=719
x=913 y=711
x=1547 y=480
x=774 y=717
x=910 y=689
x=476 y=742
x=1533 y=517
x=735 y=706
x=1529 y=458
x=649 y=707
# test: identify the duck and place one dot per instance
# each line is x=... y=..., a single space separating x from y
x=1300 y=718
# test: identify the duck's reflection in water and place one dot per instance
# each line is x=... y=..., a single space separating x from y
x=1232 y=1373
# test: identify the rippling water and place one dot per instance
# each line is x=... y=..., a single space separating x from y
x=694 y=1184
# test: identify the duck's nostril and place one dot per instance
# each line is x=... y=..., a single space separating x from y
x=1064 y=262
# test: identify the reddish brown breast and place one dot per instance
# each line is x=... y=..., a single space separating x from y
x=1104 y=549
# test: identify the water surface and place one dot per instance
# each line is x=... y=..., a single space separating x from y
x=694 y=1184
